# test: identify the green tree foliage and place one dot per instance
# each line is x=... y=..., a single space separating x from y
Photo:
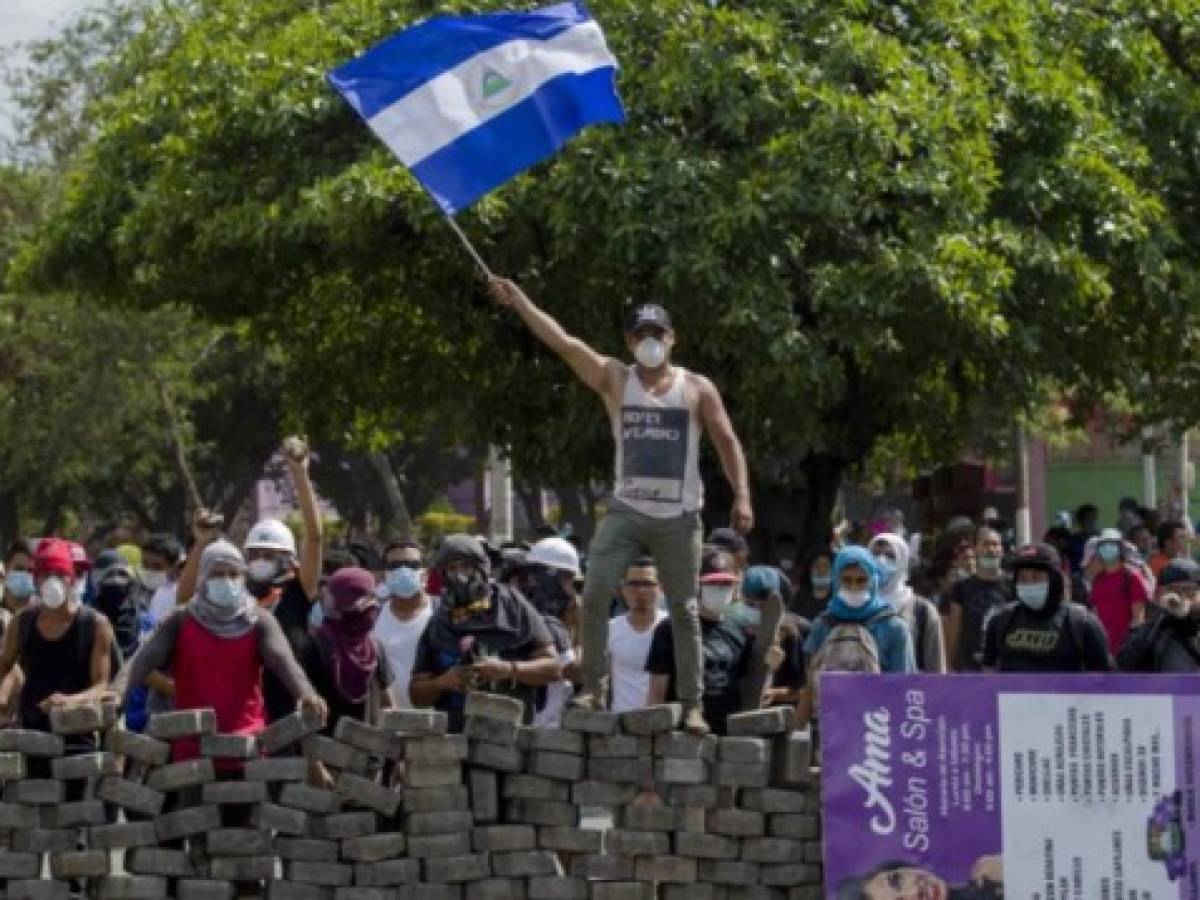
x=876 y=224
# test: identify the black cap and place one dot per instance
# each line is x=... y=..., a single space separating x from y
x=647 y=314
x=1037 y=556
x=716 y=560
x=728 y=539
x=1179 y=571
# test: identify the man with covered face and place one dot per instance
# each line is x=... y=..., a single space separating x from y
x=483 y=634
x=1169 y=640
x=1039 y=630
x=658 y=412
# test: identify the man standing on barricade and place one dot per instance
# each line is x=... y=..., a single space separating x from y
x=657 y=412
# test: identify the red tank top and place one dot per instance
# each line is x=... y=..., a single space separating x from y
x=222 y=673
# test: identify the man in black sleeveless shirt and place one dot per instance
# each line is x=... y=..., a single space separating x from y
x=63 y=648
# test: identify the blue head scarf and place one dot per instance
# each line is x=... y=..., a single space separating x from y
x=861 y=557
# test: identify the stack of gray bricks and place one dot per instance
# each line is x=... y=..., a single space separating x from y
x=608 y=807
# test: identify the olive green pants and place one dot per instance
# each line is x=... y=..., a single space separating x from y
x=623 y=536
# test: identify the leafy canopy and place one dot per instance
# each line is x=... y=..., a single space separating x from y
x=876 y=224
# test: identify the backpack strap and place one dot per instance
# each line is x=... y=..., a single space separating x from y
x=921 y=620
x=1074 y=623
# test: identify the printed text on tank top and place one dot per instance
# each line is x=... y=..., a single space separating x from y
x=656 y=433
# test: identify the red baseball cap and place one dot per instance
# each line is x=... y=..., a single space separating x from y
x=53 y=557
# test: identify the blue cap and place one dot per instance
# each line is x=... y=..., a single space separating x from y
x=759 y=581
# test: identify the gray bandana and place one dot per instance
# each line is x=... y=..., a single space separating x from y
x=221 y=621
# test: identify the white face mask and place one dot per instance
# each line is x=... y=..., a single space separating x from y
x=650 y=352
x=1033 y=595
x=53 y=593
x=854 y=599
x=262 y=570
x=716 y=598
x=225 y=593
x=989 y=563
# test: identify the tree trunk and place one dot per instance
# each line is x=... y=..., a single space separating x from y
x=530 y=493
x=572 y=509
x=399 y=517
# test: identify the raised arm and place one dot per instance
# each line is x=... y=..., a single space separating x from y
x=729 y=449
x=592 y=368
x=296 y=454
x=202 y=536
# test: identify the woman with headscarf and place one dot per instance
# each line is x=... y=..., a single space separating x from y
x=347 y=665
x=217 y=647
x=350 y=668
x=859 y=632
x=921 y=615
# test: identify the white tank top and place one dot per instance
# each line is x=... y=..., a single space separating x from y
x=658 y=449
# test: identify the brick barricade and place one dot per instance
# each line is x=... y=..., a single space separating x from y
x=608 y=807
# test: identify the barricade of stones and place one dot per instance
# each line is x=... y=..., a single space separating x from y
x=608 y=807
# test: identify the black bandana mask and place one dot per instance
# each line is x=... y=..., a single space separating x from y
x=545 y=591
x=468 y=595
x=111 y=597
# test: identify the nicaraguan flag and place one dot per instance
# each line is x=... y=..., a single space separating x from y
x=467 y=102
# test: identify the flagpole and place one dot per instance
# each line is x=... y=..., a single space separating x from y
x=470 y=248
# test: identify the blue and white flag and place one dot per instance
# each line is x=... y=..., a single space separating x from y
x=467 y=102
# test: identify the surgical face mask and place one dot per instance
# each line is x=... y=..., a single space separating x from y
x=749 y=615
x=650 y=352
x=262 y=570
x=20 y=585
x=403 y=582
x=53 y=592
x=716 y=598
x=1108 y=553
x=153 y=580
x=821 y=584
x=855 y=599
x=989 y=563
x=1033 y=594
x=224 y=592
x=887 y=568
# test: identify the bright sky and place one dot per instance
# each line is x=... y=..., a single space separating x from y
x=26 y=20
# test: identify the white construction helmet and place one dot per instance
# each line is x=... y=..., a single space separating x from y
x=555 y=552
x=271 y=534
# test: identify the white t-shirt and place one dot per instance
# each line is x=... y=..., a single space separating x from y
x=399 y=641
x=162 y=604
x=627 y=652
x=558 y=694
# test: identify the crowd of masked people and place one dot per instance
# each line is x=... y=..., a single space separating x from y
x=256 y=631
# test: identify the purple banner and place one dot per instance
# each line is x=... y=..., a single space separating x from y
x=1037 y=787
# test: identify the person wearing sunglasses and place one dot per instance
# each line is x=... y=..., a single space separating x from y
x=404 y=614
x=630 y=634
